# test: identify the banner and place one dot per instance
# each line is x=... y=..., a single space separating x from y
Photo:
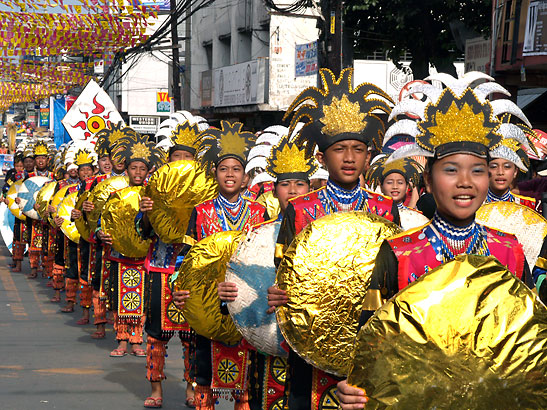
x=163 y=103
x=44 y=117
x=92 y=111
x=60 y=136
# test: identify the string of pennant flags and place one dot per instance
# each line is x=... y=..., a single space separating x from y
x=36 y=36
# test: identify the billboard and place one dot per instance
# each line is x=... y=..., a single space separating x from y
x=535 y=35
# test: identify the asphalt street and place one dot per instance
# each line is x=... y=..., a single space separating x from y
x=49 y=362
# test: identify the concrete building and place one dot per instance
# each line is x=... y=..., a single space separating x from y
x=519 y=54
x=248 y=63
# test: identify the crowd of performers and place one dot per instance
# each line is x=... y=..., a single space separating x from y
x=341 y=152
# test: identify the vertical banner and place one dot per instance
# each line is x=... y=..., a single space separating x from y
x=60 y=135
x=44 y=117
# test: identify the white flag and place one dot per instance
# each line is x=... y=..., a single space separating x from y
x=92 y=111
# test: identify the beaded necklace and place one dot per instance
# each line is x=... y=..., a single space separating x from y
x=449 y=240
x=492 y=197
x=338 y=199
x=232 y=215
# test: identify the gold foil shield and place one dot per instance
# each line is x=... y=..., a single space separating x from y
x=467 y=335
x=56 y=202
x=82 y=225
x=12 y=205
x=44 y=196
x=118 y=220
x=326 y=272
x=68 y=227
x=100 y=194
x=203 y=268
x=176 y=188
x=526 y=224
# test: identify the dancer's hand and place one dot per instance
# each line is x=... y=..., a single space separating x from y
x=350 y=397
x=227 y=291
x=276 y=298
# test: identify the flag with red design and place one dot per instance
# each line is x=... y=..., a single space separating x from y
x=90 y=113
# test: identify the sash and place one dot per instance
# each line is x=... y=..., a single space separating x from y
x=275 y=374
x=172 y=319
x=323 y=394
x=130 y=292
x=230 y=366
x=105 y=274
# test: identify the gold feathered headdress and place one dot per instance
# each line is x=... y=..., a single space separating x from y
x=107 y=137
x=229 y=142
x=40 y=148
x=81 y=153
x=410 y=169
x=136 y=147
x=185 y=137
x=289 y=161
x=338 y=112
x=456 y=119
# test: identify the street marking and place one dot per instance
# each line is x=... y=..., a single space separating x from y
x=39 y=301
x=16 y=305
x=70 y=370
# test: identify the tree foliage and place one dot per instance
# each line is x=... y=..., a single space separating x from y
x=422 y=27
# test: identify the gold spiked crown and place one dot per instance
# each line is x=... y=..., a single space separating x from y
x=338 y=112
x=230 y=141
x=185 y=137
x=457 y=119
x=40 y=148
x=107 y=137
x=85 y=156
x=410 y=169
x=136 y=147
x=289 y=161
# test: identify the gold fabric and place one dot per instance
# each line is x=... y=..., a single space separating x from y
x=56 y=202
x=100 y=194
x=203 y=268
x=118 y=220
x=176 y=188
x=271 y=203
x=82 y=225
x=541 y=263
x=326 y=272
x=65 y=209
x=467 y=335
x=44 y=196
x=527 y=225
x=11 y=195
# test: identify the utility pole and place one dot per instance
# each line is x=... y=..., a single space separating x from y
x=188 y=58
x=334 y=36
x=175 y=75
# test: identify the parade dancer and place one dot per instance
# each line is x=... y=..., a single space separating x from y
x=290 y=168
x=140 y=156
x=457 y=130
x=225 y=152
x=394 y=178
x=343 y=124
x=160 y=263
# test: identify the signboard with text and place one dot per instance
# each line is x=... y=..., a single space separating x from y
x=163 y=103
x=144 y=124
x=237 y=85
x=305 y=59
x=535 y=34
